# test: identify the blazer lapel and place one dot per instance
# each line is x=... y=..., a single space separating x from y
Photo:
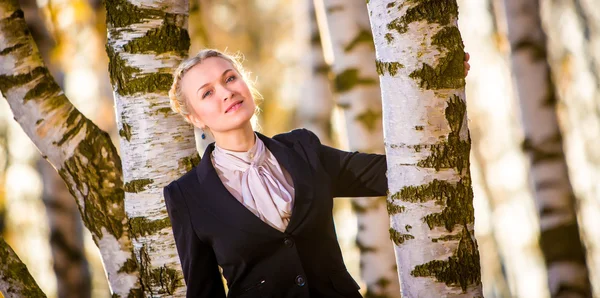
x=219 y=201
x=222 y=204
x=301 y=174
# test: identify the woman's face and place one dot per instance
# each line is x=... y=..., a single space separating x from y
x=217 y=96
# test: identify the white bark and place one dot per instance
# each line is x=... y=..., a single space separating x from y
x=358 y=95
x=572 y=46
x=69 y=141
x=555 y=201
x=427 y=143
x=150 y=44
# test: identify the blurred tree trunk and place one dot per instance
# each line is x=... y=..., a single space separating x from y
x=82 y=154
x=146 y=42
x=4 y=161
x=199 y=35
x=420 y=62
x=589 y=15
x=573 y=42
x=507 y=233
x=314 y=109
x=486 y=52
x=559 y=231
x=15 y=280
x=40 y=31
x=358 y=96
x=66 y=236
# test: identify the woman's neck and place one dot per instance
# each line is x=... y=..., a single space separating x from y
x=239 y=140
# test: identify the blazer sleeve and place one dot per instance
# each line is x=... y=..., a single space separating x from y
x=198 y=261
x=353 y=174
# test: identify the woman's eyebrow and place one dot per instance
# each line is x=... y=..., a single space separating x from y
x=223 y=74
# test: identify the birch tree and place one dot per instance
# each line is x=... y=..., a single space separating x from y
x=420 y=64
x=356 y=93
x=559 y=231
x=146 y=41
x=82 y=154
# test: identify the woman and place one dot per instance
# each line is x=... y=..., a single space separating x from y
x=259 y=207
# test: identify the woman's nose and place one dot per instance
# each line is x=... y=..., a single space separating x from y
x=225 y=93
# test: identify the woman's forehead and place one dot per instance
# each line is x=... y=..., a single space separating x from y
x=212 y=65
x=208 y=70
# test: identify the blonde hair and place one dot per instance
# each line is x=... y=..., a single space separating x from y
x=176 y=96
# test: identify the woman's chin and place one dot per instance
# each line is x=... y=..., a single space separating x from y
x=238 y=121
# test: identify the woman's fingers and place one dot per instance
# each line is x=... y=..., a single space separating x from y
x=467 y=65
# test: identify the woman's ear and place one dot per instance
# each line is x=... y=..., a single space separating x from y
x=191 y=118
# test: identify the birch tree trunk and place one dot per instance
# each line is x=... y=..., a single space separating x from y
x=314 y=109
x=146 y=42
x=559 y=231
x=82 y=154
x=15 y=280
x=420 y=62
x=357 y=94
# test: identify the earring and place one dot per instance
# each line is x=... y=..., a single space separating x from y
x=203 y=135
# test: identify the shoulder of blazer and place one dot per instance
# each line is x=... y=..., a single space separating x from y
x=185 y=180
x=301 y=136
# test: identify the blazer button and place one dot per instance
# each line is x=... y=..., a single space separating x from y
x=288 y=242
x=300 y=281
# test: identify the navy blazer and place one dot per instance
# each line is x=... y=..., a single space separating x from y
x=213 y=228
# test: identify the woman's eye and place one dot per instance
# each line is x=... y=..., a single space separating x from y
x=207 y=93
x=229 y=79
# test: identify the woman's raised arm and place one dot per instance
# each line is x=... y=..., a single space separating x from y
x=353 y=174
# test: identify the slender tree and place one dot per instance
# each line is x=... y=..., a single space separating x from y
x=357 y=93
x=420 y=62
x=82 y=154
x=559 y=231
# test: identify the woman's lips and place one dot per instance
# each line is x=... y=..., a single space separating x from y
x=234 y=107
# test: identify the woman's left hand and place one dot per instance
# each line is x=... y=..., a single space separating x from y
x=467 y=65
